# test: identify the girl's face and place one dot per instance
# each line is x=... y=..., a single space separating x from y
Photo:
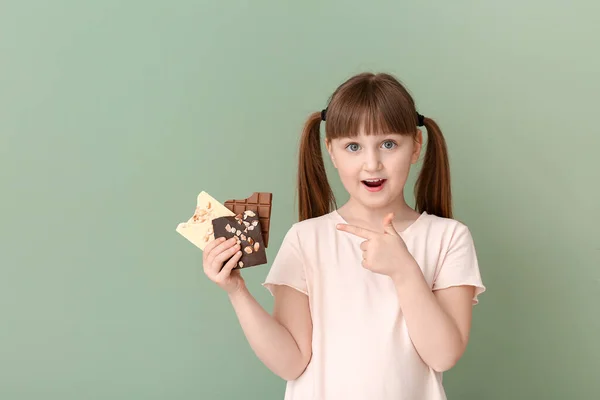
x=374 y=168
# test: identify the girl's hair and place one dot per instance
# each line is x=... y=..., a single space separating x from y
x=379 y=104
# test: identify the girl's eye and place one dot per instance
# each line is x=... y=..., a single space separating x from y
x=352 y=147
x=389 y=143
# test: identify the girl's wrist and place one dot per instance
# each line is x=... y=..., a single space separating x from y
x=238 y=291
x=407 y=273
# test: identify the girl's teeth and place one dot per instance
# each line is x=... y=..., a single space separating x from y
x=372 y=183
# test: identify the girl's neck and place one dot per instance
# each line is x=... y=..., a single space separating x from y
x=355 y=213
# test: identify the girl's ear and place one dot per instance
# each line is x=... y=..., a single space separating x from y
x=418 y=144
x=329 y=150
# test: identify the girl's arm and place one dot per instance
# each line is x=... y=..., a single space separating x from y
x=438 y=322
x=283 y=341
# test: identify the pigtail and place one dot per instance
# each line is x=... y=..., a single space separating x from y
x=432 y=188
x=315 y=196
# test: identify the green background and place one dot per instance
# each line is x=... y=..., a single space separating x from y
x=115 y=114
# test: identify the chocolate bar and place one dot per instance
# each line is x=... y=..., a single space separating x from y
x=246 y=228
x=198 y=229
x=260 y=203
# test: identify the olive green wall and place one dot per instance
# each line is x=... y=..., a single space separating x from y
x=115 y=114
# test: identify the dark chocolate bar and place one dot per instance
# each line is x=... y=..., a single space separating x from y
x=246 y=227
x=260 y=203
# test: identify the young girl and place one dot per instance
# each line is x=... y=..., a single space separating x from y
x=373 y=300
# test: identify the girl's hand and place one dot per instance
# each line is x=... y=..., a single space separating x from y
x=384 y=253
x=215 y=254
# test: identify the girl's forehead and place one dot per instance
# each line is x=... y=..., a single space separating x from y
x=372 y=136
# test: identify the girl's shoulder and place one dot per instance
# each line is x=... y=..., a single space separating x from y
x=312 y=226
x=431 y=227
x=440 y=222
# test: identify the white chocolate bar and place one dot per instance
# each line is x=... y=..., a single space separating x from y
x=198 y=229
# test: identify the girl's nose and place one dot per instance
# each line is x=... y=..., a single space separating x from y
x=372 y=161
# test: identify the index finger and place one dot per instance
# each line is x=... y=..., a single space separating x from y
x=356 y=230
x=213 y=243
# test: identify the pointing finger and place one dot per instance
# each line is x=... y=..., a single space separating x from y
x=358 y=231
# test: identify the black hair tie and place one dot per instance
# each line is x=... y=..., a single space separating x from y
x=323 y=114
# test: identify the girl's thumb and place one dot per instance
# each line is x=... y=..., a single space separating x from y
x=388 y=226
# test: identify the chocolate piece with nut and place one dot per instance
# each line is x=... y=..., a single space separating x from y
x=260 y=203
x=198 y=229
x=246 y=228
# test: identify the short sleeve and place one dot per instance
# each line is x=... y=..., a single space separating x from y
x=460 y=266
x=288 y=266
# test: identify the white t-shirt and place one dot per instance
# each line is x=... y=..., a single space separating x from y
x=361 y=347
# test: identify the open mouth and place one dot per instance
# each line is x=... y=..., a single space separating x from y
x=374 y=185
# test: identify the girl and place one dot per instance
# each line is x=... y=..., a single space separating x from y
x=372 y=300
